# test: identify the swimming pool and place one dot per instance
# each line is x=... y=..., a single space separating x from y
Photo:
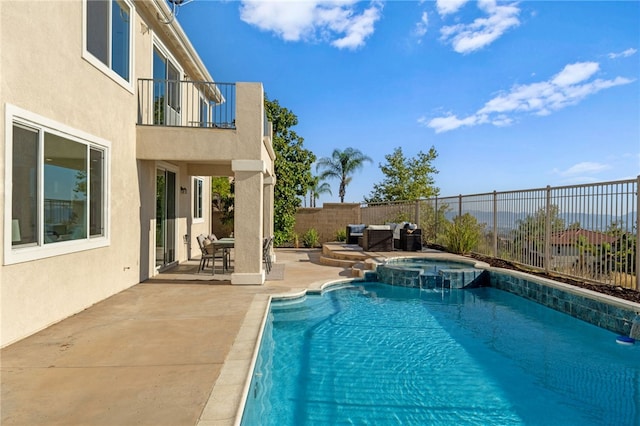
x=372 y=353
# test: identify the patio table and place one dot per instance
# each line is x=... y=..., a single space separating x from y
x=226 y=244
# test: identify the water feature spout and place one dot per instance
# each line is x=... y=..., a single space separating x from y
x=634 y=333
x=635 y=328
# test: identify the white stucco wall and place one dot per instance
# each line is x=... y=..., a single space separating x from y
x=43 y=72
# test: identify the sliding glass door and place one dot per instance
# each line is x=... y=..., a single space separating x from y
x=165 y=218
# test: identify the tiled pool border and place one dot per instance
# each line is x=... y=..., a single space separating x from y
x=605 y=311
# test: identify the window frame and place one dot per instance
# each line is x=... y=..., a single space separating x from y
x=39 y=250
x=93 y=60
x=172 y=106
x=205 y=111
x=197 y=199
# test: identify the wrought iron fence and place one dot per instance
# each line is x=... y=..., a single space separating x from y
x=588 y=231
x=186 y=103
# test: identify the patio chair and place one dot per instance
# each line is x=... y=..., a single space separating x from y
x=266 y=253
x=411 y=239
x=209 y=252
x=377 y=238
x=205 y=255
x=354 y=231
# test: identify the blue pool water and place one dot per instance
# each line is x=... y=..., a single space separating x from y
x=374 y=354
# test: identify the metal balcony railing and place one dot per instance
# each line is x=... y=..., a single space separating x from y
x=186 y=103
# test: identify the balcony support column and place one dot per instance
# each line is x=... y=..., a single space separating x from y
x=248 y=221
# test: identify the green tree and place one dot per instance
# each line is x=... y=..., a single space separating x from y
x=341 y=165
x=316 y=189
x=222 y=198
x=463 y=234
x=433 y=222
x=406 y=178
x=292 y=168
x=621 y=254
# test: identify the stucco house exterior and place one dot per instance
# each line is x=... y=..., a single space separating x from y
x=579 y=248
x=112 y=128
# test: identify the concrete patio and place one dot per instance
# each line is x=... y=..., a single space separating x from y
x=174 y=350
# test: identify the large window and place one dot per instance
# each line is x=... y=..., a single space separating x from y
x=108 y=34
x=57 y=182
x=197 y=198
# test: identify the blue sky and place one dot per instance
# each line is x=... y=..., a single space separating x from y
x=512 y=95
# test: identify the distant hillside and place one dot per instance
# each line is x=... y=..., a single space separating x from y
x=592 y=222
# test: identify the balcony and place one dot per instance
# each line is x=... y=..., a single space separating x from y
x=186 y=103
x=202 y=122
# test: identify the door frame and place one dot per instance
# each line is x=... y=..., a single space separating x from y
x=166 y=167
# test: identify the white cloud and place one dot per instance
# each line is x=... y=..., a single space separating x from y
x=581 y=173
x=625 y=54
x=579 y=180
x=568 y=87
x=449 y=122
x=447 y=7
x=343 y=23
x=575 y=73
x=466 y=38
x=357 y=28
x=584 y=168
x=421 y=27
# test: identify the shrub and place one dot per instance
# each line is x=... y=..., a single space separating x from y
x=295 y=240
x=311 y=238
x=341 y=235
x=463 y=234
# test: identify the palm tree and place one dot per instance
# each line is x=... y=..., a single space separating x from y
x=342 y=165
x=316 y=189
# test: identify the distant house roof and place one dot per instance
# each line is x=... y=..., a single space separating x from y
x=571 y=236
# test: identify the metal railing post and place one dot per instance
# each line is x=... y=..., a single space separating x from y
x=435 y=221
x=547 y=231
x=637 y=247
x=495 y=224
x=459 y=205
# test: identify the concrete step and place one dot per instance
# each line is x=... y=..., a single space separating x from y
x=349 y=255
x=342 y=263
x=358 y=270
x=328 y=248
